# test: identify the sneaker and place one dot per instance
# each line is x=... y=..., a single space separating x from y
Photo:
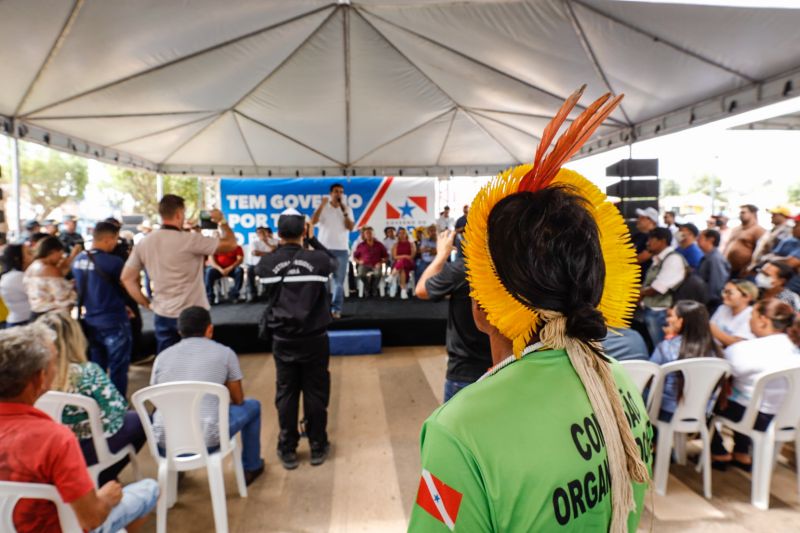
x=288 y=459
x=404 y=294
x=318 y=455
x=252 y=475
x=336 y=315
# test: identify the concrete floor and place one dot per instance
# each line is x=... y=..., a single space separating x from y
x=378 y=404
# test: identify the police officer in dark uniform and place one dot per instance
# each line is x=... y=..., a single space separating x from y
x=70 y=237
x=297 y=315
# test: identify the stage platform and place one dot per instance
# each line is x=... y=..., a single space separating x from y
x=410 y=322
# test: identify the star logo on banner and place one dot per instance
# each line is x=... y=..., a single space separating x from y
x=406 y=209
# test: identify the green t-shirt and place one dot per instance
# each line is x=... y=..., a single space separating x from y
x=522 y=451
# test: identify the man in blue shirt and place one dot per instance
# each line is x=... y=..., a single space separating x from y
x=106 y=316
x=714 y=268
x=788 y=251
x=687 y=235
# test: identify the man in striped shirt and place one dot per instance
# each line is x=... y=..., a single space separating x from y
x=198 y=358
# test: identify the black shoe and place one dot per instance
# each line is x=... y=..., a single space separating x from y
x=288 y=459
x=747 y=467
x=252 y=475
x=318 y=455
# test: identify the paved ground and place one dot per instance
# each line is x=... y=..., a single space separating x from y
x=369 y=484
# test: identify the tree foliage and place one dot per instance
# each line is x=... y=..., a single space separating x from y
x=52 y=178
x=670 y=188
x=793 y=194
x=708 y=183
x=140 y=186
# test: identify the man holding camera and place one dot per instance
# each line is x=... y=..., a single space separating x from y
x=174 y=260
x=335 y=220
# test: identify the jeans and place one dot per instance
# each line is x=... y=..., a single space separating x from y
x=111 y=348
x=421 y=266
x=138 y=499
x=131 y=432
x=247 y=419
x=212 y=275
x=452 y=387
x=654 y=321
x=370 y=277
x=166 y=330
x=252 y=289
x=343 y=258
x=741 y=443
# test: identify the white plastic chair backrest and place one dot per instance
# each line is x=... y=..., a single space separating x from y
x=787 y=417
x=12 y=491
x=641 y=372
x=700 y=378
x=179 y=404
x=53 y=403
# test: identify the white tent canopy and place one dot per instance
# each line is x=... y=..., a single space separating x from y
x=255 y=87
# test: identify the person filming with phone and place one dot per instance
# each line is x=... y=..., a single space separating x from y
x=336 y=221
x=174 y=262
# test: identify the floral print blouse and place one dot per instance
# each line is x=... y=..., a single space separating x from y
x=90 y=380
x=47 y=293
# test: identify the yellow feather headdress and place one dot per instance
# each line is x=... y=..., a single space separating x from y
x=512 y=318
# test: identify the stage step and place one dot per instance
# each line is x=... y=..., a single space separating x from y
x=355 y=341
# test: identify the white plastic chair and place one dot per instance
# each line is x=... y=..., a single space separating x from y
x=179 y=404
x=782 y=428
x=641 y=372
x=54 y=402
x=11 y=492
x=700 y=378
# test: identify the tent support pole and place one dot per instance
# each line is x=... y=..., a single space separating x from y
x=16 y=221
x=159 y=187
x=201 y=204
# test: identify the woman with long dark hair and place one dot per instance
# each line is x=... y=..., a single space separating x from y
x=45 y=284
x=687 y=336
x=16 y=258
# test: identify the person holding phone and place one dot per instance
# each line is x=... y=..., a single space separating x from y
x=336 y=221
x=174 y=260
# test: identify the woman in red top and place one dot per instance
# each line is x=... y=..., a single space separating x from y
x=403 y=253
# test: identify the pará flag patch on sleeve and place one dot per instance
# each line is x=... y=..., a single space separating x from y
x=439 y=500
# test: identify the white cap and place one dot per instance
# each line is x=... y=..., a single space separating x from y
x=291 y=211
x=650 y=213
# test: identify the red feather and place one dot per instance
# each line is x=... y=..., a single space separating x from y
x=546 y=167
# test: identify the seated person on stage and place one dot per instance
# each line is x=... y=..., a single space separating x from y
x=625 y=344
x=730 y=323
x=223 y=265
x=76 y=375
x=714 y=269
x=687 y=336
x=403 y=254
x=36 y=449
x=389 y=240
x=370 y=255
x=771 y=350
x=426 y=249
x=264 y=244
x=198 y=358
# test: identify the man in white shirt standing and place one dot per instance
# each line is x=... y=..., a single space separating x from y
x=335 y=220
x=664 y=276
x=445 y=221
x=265 y=243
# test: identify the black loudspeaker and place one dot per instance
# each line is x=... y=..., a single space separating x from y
x=638 y=193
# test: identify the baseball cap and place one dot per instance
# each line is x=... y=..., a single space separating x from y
x=291 y=224
x=691 y=227
x=780 y=210
x=650 y=213
x=796 y=218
